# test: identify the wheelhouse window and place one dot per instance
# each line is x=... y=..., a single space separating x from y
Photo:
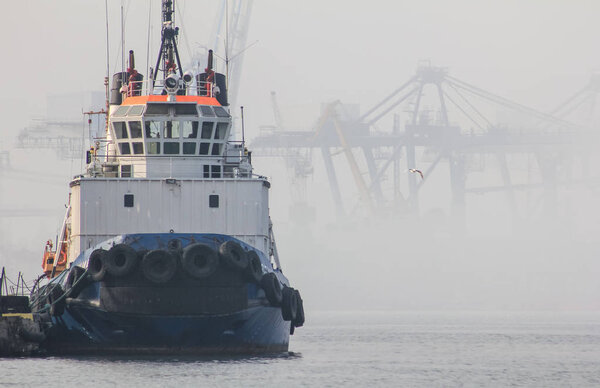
x=171 y=130
x=135 y=129
x=124 y=148
x=153 y=129
x=204 y=148
x=138 y=148
x=221 y=130
x=120 y=130
x=216 y=149
x=171 y=148
x=207 y=128
x=164 y=129
x=189 y=129
x=189 y=148
x=153 y=148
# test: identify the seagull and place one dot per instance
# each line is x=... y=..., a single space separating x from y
x=417 y=171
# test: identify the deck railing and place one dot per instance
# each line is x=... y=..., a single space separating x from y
x=158 y=87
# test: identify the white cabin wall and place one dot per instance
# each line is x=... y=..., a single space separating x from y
x=160 y=207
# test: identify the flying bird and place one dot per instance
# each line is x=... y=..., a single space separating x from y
x=417 y=171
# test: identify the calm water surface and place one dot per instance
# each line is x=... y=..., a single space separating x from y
x=360 y=349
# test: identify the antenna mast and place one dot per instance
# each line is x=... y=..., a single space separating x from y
x=168 y=43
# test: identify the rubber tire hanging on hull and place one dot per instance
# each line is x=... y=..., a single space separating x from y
x=159 y=266
x=299 y=320
x=233 y=255
x=270 y=284
x=254 y=269
x=97 y=265
x=121 y=260
x=77 y=280
x=56 y=300
x=199 y=260
x=289 y=304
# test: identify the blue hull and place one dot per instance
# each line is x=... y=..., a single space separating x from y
x=185 y=316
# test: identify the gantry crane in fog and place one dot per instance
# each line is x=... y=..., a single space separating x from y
x=431 y=132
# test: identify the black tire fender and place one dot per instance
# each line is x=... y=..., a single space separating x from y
x=97 y=264
x=254 y=271
x=289 y=304
x=299 y=320
x=121 y=260
x=56 y=300
x=199 y=260
x=159 y=266
x=75 y=283
x=233 y=255
x=270 y=284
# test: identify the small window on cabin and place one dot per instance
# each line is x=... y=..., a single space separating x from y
x=136 y=110
x=124 y=148
x=213 y=200
x=204 y=148
x=153 y=129
x=216 y=149
x=126 y=171
x=207 y=111
x=189 y=148
x=171 y=130
x=221 y=130
x=221 y=112
x=171 y=148
x=206 y=171
x=120 y=130
x=128 y=200
x=215 y=171
x=135 y=129
x=138 y=148
x=157 y=109
x=121 y=111
x=186 y=110
x=207 y=128
x=189 y=129
x=153 y=148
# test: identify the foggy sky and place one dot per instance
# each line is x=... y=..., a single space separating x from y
x=312 y=52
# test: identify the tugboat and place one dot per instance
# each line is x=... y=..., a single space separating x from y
x=167 y=244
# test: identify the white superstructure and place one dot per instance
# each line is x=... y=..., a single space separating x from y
x=168 y=168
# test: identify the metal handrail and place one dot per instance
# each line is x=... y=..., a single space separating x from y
x=148 y=87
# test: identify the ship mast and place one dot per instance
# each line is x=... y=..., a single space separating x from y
x=168 y=44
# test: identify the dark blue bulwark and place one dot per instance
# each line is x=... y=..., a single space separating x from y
x=131 y=315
